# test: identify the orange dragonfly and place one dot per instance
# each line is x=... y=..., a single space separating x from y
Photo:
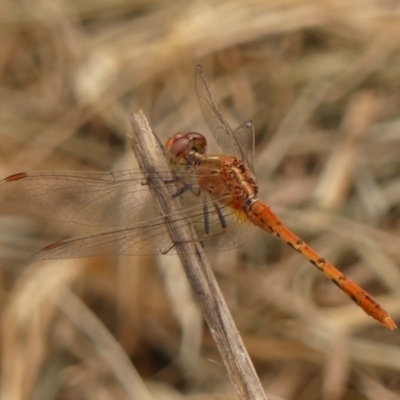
x=220 y=192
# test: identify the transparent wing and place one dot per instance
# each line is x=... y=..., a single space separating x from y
x=119 y=198
x=88 y=198
x=152 y=237
x=240 y=143
x=244 y=134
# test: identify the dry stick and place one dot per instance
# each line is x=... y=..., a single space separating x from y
x=241 y=372
x=108 y=347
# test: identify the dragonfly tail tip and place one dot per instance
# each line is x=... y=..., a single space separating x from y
x=389 y=323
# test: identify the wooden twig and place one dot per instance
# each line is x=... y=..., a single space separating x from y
x=107 y=345
x=241 y=371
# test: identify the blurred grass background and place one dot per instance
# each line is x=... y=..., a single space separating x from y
x=321 y=81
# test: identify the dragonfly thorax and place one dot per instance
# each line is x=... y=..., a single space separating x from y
x=228 y=180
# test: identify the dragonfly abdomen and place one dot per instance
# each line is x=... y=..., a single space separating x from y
x=262 y=216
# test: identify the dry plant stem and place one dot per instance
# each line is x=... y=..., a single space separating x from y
x=241 y=372
x=108 y=347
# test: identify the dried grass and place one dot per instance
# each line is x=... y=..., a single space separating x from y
x=321 y=82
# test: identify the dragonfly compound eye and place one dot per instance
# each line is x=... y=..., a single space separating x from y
x=198 y=142
x=178 y=146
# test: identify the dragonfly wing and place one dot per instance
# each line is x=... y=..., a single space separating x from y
x=222 y=132
x=88 y=198
x=135 y=240
x=211 y=112
x=152 y=236
x=244 y=134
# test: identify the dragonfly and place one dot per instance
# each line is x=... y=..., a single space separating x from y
x=220 y=193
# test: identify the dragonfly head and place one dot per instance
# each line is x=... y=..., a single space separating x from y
x=181 y=147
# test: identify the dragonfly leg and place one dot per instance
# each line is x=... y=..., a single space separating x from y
x=164 y=252
x=221 y=217
x=185 y=188
x=145 y=181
